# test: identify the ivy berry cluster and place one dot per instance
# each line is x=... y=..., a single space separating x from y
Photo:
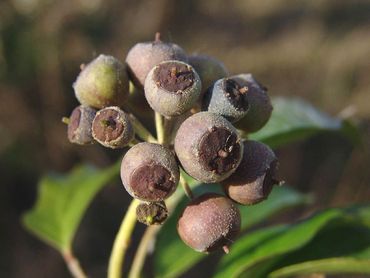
x=200 y=111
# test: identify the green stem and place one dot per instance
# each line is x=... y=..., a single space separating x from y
x=142 y=250
x=141 y=130
x=122 y=241
x=73 y=265
x=186 y=187
x=159 y=126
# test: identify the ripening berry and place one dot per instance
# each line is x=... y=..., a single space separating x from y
x=112 y=128
x=209 y=222
x=252 y=182
x=153 y=213
x=172 y=88
x=208 y=147
x=79 y=125
x=149 y=172
x=142 y=57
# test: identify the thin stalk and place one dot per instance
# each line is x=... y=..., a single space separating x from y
x=159 y=126
x=122 y=241
x=73 y=265
x=186 y=187
x=141 y=130
x=143 y=249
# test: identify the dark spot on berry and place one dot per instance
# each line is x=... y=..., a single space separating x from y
x=219 y=150
x=107 y=126
x=236 y=94
x=174 y=77
x=152 y=182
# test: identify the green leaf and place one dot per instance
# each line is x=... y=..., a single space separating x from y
x=325 y=266
x=169 y=245
x=295 y=119
x=62 y=201
x=324 y=235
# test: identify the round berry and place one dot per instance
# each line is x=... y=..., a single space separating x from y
x=252 y=182
x=79 y=125
x=260 y=107
x=112 y=128
x=172 y=88
x=153 y=213
x=101 y=83
x=227 y=98
x=142 y=57
x=209 y=222
x=208 y=147
x=208 y=68
x=149 y=172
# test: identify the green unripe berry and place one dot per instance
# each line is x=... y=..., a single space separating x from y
x=101 y=83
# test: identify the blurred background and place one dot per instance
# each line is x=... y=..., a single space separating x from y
x=316 y=50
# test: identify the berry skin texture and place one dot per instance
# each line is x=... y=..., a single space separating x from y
x=252 y=182
x=112 y=128
x=208 y=68
x=208 y=147
x=209 y=222
x=227 y=98
x=260 y=107
x=101 y=83
x=149 y=172
x=142 y=57
x=154 y=213
x=79 y=126
x=172 y=88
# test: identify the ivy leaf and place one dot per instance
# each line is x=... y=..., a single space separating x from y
x=62 y=201
x=295 y=119
x=170 y=245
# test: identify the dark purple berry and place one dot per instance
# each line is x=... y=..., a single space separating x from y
x=142 y=57
x=172 y=88
x=227 y=98
x=149 y=172
x=154 y=213
x=112 y=128
x=79 y=125
x=208 y=147
x=260 y=107
x=209 y=222
x=101 y=83
x=208 y=68
x=252 y=182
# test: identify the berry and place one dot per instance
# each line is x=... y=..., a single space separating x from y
x=260 y=107
x=172 y=88
x=149 y=172
x=227 y=98
x=208 y=147
x=152 y=213
x=101 y=83
x=112 y=128
x=209 y=222
x=142 y=57
x=252 y=182
x=208 y=68
x=79 y=125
